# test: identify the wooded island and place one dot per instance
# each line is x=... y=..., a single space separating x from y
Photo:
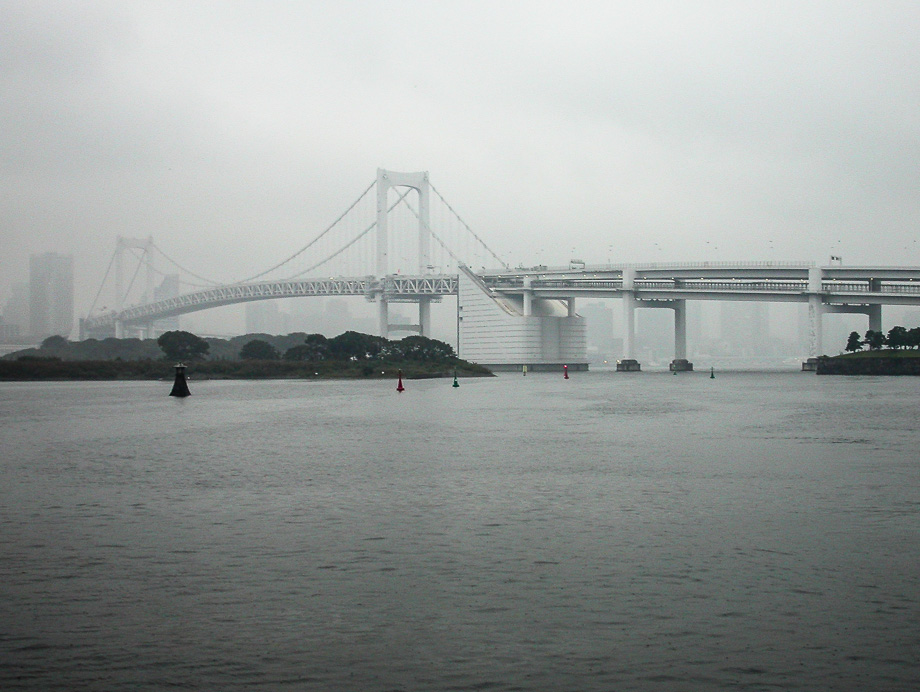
x=252 y=356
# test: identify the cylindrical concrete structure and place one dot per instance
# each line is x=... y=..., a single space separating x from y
x=875 y=317
x=629 y=312
x=424 y=316
x=383 y=317
x=815 y=279
x=680 y=329
x=815 y=313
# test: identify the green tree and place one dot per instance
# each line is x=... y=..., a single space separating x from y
x=854 y=343
x=182 y=346
x=259 y=350
x=421 y=348
x=314 y=348
x=54 y=343
x=875 y=340
x=897 y=337
x=356 y=346
x=913 y=337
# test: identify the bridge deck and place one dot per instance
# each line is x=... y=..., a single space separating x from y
x=782 y=282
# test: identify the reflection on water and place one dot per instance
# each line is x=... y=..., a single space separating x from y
x=756 y=531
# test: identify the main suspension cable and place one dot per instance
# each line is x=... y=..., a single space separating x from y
x=209 y=282
x=351 y=242
x=312 y=242
x=432 y=233
x=107 y=270
x=472 y=232
x=137 y=270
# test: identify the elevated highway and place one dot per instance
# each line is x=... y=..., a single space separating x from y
x=774 y=282
x=825 y=289
x=828 y=289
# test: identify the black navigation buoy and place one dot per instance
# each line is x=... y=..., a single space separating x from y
x=180 y=386
x=712 y=373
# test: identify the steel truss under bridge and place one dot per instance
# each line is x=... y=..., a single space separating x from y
x=396 y=288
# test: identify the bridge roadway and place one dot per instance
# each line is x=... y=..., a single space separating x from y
x=825 y=289
x=765 y=281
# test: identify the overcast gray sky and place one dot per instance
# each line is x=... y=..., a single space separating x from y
x=233 y=131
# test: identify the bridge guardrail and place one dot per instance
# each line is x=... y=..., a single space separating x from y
x=690 y=285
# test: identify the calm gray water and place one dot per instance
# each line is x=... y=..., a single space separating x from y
x=758 y=531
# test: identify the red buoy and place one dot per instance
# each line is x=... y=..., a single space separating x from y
x=399 y=385
x=565 y=369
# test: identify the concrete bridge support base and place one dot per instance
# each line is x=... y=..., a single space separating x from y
x=424 y=317
x=383 y=317
x=630 y=303
x=816 y=311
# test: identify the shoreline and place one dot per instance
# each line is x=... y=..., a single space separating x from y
x=886 y=362
x=38 y=370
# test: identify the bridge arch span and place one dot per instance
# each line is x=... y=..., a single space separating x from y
x=395 y=288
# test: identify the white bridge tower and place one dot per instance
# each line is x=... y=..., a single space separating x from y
x=122 y=244
x=418 y=182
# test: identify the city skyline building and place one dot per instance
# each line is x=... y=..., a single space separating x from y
x=16 y=311
x=265 y=317
x=51 y=295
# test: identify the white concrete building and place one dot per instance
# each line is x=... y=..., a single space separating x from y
x=508 y=332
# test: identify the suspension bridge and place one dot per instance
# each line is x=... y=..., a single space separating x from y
x=397 y=247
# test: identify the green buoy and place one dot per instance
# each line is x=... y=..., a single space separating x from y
x=456 y=384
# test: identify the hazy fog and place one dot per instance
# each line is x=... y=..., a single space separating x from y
x=233 y=131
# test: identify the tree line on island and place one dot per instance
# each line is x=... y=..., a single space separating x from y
x=897 y=338
x=348 y=346
x=350 y=354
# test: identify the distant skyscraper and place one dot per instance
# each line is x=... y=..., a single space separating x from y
x=264 y=317
x=50 y=294
x=16 y=310
x=8 y=331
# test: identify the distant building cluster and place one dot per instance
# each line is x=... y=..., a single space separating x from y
x=329 y=316
x=43 y=307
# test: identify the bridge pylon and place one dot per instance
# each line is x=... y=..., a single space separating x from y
x=122 y=244
x=419 y=182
